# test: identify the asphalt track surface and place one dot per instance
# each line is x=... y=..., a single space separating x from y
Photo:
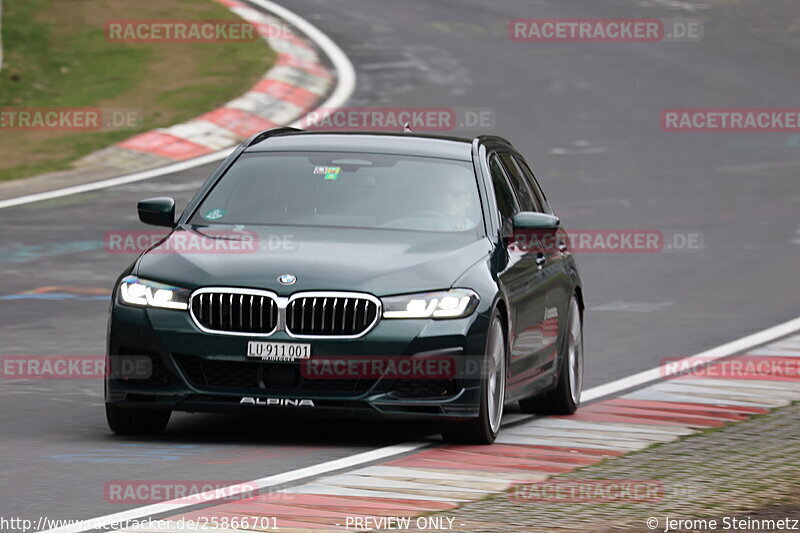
x=587 y=117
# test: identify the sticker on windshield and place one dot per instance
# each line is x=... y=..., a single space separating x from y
x=331 y=173
x=214 y=214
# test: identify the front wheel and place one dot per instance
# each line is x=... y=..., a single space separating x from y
x=136 y=421
x=484 y=429
x=566 y=397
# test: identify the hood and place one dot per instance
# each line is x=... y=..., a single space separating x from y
x=380 y=262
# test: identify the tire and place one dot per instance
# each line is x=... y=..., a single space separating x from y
x=136 y=421
x=565 y=398
x=484 y=428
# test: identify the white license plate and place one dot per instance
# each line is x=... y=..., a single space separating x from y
x=278 y=351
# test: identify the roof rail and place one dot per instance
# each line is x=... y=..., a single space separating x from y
x=258 y=137
x=491 y=138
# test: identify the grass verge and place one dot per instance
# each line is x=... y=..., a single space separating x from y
x=57 y=56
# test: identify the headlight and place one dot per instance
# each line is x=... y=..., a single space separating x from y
x=141 y=292
x=455 y=303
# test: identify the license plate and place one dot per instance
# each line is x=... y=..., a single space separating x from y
x=278 y=351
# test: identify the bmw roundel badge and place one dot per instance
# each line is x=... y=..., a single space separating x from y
x=287 y=279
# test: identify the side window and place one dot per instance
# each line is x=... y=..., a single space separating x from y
x=525 y=195
x=504 y=195
x=542 y=200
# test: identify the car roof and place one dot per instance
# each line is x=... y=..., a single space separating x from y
x=418 y=144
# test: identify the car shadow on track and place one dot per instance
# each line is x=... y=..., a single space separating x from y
x=273 y=430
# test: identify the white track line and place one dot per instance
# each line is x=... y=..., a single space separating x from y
x=121 y=180
x=345 y=85
x=105 y=522
x=594 y=393
x=745 y=343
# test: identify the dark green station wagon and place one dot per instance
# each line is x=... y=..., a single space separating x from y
x=353 y=274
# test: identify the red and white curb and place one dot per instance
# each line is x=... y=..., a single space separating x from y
x=297 y=81
x=441 y=478
x=144 y=165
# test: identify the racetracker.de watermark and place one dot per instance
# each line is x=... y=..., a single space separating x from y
x=396 y=118
x=137 y=492
x=589 y=491
x=386 y=367
x=122 y=367
x=189 y=31
x=70 y=118
x=605 y=30
x=743 y=367
x=705 y=120
x=617 y=241
x=195 y=242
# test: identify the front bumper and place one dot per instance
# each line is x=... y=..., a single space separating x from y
x=197 y=371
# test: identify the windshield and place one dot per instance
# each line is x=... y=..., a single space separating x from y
x=346 y=190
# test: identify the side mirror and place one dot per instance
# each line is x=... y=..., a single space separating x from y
x=529 y=220
x=536 y=232
x=157 y=211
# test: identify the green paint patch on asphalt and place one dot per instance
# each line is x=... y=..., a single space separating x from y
x=57 y=56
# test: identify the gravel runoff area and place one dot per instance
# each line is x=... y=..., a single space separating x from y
x=744 y=471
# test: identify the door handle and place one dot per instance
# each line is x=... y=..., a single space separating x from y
x=540 y=259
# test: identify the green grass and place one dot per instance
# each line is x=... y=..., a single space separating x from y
x=57 y=55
